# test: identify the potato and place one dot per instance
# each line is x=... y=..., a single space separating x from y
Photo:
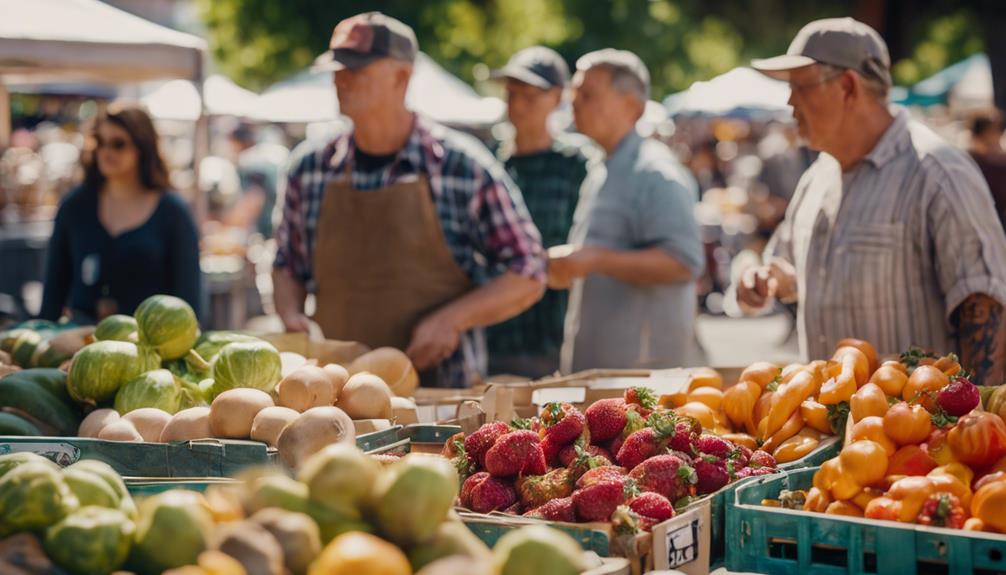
x=338 y=375
x=120 y=430
x=233 y=411
x=313 y=430
x=149 y=421
x=307 y=387
x=270 y=422
x=391 y=365
x=96 y=421
x=188 y=424
x=366 y=396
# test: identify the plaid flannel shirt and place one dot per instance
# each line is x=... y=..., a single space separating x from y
x=550 y=183
x=485 y=222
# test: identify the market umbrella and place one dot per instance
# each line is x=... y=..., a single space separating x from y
x=741 y=92
x=179 y=99
x=967 y=83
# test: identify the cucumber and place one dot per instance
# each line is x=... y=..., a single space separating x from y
x=50 y=379
x=34 y=400
x=11 y=424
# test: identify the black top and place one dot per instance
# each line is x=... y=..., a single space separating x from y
x=371 y=163
x=85 y=264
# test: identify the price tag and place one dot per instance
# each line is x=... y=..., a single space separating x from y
x=670 y=381
x=61 y=454
x=683 y=543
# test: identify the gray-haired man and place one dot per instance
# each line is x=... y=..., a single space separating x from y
x=891 y=235
x=635 y=244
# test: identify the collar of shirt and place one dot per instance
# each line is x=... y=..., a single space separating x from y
x=893 y=141
x=421 y=149
x=625 y=152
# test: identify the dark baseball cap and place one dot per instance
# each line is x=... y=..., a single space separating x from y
x=842 y=42
x=538 y=66
x=366 y=38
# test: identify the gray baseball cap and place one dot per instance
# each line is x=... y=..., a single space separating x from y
x=538 y=66
x=842 y=42
x=362 y=39
x=621 y=59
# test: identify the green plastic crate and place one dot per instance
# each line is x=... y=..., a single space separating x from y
x=490 y=531
x=198 y=458
x=144 y=486
x=721 y=499
x=774 y=540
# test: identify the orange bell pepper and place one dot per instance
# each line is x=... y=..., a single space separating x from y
x=872 y=428
x=952 y=485
x=815 y=415
x=761 y=372
x=865 y=462
x=868 y=400
x=864 y=346
x=989 y=504
x=817 y=500
x=795 y=447
x=739 y=402
x=962 y=472
x=864 y=497
x=883 y=508
x=978 y=439
x=843 y=508
x=910 y=460
x=851 y=358
x=792 y=426
x=923 y=382
x=911 y=492
x=787 y=399
x=907 y=424
x=938 y=448
x=890 y=379
x=825 y=476
x=762 y=406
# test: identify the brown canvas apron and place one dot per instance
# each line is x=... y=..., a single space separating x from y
x=381 y=263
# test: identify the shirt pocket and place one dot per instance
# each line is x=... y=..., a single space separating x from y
x=872 y=260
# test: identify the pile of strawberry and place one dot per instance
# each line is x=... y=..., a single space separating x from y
x=622 y=458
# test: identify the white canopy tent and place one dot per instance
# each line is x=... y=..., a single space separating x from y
x=433 y=91
x=179 y=99
x=48 y=40
x=739 y=92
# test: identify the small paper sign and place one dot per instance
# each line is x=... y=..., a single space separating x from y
x=683 y=543
x=545 y=395
x=670 y=381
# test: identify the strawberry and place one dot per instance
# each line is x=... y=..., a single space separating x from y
x=741 y=456
x=598 y=501
x=714 y=445
x=647 y=442
x=942 y=510
x=551 y=451
x=599 y=474
x=483 y=493
x=686 y=433
x=667 y=475
x=711 y=476
x=606 y=419
x=570 y=453
x=959 y=397
x=479 y=442
x=652 y=505
x=516 y=453
x=615 y=444
x=584 y=462
x=563 y=423
x=536 y=490
x=634 y=421
x=515 y=509
x=753 y=472
x=641 y=396
x=761 y=458
x=555 y=510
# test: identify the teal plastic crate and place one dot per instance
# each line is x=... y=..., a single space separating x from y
x=774 y=540
x=489 y=530
x=373 y=442
x=429 y=438
x=198 y=458
x=721 y=499
x=144 y=486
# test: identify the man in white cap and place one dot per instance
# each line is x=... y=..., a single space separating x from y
x=636 y=247
x=891 y=236
x=409 y=234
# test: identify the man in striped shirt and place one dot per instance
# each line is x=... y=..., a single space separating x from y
x=891 y=236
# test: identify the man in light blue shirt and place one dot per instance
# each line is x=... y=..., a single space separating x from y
x=634 y=252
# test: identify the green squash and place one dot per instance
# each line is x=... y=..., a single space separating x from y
x=254 y=364
x=33 y=496
x=167 y=324
x=156 y=388
x=116 y=327
x=100 y=369
x=91 y=540
x=173 y=528
x=210 y=343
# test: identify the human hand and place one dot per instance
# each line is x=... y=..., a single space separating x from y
x=433 y=340
x=296 y=323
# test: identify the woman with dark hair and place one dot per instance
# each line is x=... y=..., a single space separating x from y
x=123 y=235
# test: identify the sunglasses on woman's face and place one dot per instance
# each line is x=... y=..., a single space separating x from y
x=114 y=144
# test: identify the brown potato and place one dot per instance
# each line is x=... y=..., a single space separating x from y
x=313 y=430
x=307 y=387
x=149 y=422
x=188 y=424
x=233 y=411
x=270 y=422
x=366 y=396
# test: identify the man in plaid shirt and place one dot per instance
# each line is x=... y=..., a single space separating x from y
x=410 y=235
x=549 y=170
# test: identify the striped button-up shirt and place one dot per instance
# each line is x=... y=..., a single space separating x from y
x=485 y=222
x=886 y=252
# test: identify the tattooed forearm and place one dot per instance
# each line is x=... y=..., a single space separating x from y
x=981 y=338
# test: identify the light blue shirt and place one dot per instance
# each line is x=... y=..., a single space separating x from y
x=640 y=198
